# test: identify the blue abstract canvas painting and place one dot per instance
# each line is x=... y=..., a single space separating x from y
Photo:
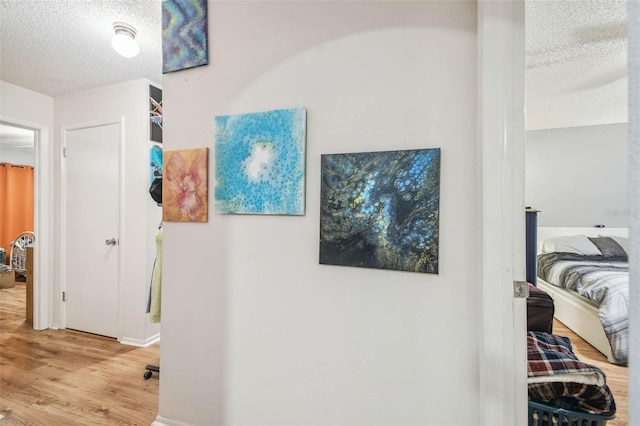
x=381 y=210
x=184 y=34
x=156 y=162
x=260 y=162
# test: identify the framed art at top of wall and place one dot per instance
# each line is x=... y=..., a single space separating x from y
x=381 y=210
x=260 y=162
x=184 y=34
x=184 y=189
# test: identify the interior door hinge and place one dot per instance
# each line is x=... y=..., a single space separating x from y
x=520 y=289
x=64 y=152
x=64 y=296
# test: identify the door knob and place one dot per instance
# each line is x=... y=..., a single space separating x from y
x=111 y=242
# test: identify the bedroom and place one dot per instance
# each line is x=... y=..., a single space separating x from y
x=16 y=200
x=576 y=162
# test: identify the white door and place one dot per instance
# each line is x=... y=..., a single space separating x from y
x=92 y=192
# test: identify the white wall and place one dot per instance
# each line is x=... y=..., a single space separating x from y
x=17 y=156
x=577 y=176
x=129 y=100
x=24 y=104
x=254 y=330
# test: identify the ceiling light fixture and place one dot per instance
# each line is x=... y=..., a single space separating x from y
x=124 y=42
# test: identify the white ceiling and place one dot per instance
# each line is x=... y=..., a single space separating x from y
x=16 y=138
x=58 y=47
x=576 y=57
x=576 y=63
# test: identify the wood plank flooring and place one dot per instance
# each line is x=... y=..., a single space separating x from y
x=617 y=377
x=66 y=377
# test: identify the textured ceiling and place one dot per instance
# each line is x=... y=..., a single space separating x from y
x=576 y=63
x=58 y=47
x=576 y=57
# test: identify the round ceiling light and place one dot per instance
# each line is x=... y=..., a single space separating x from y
x=124 y=42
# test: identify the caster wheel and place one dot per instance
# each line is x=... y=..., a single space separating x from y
x=147 y=375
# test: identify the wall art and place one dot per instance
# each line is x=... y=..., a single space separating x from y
x=260 y=162
x=381 y=210
x=155 y=163
x=184 y=188
x=155 y=114
x=184 y=34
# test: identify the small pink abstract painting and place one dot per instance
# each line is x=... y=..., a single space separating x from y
x=184 y=190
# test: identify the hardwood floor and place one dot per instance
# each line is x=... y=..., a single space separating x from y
x=617 y=377
x=66 y=377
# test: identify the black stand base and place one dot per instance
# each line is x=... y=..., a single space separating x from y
x=150 y=369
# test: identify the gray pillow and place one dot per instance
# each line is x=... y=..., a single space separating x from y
x=608 y=247
x=623 y=241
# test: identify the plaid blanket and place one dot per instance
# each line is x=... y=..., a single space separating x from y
x=556 y=376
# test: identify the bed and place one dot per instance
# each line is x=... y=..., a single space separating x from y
x=603 y=320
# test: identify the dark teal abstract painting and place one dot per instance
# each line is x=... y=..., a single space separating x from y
x=381 y=210
x=184 y=34
x=260 y=162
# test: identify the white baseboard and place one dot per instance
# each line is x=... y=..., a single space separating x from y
x=55 y=326
x=152 y=340
x=139 y=342
x=163 y=421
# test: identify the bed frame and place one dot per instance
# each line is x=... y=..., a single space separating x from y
x=579 y=314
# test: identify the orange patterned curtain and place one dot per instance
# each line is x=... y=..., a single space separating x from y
x=16 y=202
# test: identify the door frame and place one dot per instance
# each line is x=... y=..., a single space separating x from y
x=501 y=135
x=119 y=121
x=42 y=220
x=633 y=19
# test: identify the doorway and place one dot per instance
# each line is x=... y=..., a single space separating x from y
x=577 y=121
x=43 y=266
x=17 y=199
